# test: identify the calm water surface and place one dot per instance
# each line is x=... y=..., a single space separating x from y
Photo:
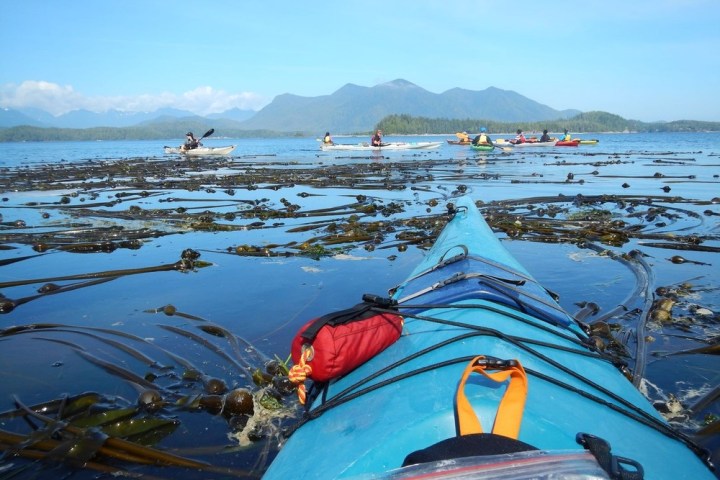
x=265 y=299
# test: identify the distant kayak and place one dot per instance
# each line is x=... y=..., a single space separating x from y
x=567 y=143
x=365 y=146
x=200 y=151
x=533 y=144
x=459 y=142
x=526 y=144
x=589 y=142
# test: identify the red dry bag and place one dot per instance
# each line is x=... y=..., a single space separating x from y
x=341 y=341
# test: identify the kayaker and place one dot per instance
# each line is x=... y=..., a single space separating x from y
x=463 y=137
x=545 y=137
x=327 y=139
x=377 y=139
x=566 y=136
x=190 y=142
x=519 y=138
x=482 y=139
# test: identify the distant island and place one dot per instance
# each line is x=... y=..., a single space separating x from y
x=590 y=122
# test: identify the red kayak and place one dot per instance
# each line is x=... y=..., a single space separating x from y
x=567 y=143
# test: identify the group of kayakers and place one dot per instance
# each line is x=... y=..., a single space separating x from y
x=520 y=137
x=375 y=141
x=481 y=139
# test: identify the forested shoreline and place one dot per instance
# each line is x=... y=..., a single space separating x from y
x=400 y=124
x=590 y=122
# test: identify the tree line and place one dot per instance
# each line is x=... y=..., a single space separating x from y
x=589 y=122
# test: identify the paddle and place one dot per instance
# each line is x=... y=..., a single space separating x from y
x=495 y=145
x=208 y=133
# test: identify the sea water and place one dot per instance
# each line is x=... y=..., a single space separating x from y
x=265 y=300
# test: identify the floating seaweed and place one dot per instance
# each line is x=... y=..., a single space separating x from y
x=110 y=434
x=191 y=374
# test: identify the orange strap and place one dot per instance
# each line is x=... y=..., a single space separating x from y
x=510 y=411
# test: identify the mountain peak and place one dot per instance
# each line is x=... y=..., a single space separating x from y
x=398 y=83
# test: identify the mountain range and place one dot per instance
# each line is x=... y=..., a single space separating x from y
x=112 y=118
x=351 y=109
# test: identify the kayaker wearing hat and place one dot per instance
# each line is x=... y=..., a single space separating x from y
x=483 y=138
x=190 y=142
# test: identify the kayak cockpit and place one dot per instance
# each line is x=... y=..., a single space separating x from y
x=458 y=278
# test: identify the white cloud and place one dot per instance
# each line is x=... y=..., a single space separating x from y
x=58 y=99
x=47 y=96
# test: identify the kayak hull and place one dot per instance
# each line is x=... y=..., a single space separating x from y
x=200 y=151
x=470 y=297
x=567 y=143
x=527 y=144
x=483 y=148
x=387 y=146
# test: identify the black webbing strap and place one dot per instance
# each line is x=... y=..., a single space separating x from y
x=612 y=464
x=337 y=318
x=360 y=311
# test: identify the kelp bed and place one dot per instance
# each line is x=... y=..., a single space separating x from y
x=209 y=377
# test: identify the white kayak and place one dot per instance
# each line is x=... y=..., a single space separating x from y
x=200 y=151
x=385 y=146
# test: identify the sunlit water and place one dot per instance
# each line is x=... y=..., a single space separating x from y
x=265 y=300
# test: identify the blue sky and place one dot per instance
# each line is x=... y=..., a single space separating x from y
x=645 y=60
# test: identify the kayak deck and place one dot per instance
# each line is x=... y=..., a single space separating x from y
x=470 y=297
